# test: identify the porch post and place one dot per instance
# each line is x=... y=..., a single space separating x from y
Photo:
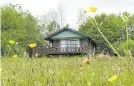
x=49 y=48
x=93 y=51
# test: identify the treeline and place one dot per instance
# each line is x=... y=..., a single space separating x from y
x=113 y=27
x=20 y=26
x=23 y=28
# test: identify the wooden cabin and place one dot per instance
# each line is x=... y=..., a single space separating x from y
x=67 y=42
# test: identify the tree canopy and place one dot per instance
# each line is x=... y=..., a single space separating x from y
x=19 y=26
x=112 y=26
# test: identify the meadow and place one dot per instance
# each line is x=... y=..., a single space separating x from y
x=65 y=71
x=112 y=32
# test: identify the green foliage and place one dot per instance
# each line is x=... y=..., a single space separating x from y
x=32 y=30
x=122 y=47
x=19 y=26
x=67 y=26
x=51 y=26
x=131 y=28
x=12 y=22
x=112 y=26
x=11 y=19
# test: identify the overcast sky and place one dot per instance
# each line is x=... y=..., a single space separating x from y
x=72 y=7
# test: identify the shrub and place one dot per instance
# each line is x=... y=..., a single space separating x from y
x=121 y=47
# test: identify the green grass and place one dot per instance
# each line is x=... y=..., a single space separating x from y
x=64 y=72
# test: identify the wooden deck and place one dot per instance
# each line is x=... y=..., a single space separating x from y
x=45 y=51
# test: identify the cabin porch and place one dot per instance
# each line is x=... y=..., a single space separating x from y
x=68 y=50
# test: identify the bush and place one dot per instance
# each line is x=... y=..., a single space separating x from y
x=122 y=46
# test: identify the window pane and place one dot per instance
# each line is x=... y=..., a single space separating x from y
x=74 y=43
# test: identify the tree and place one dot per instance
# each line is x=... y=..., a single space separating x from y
x=19 y=26
x=12 y=22
x=82 y=17
x=53 y=26
x=112 y=28
x=53 y=21
x=61 y=10
x=131 y=26
x=32 y=29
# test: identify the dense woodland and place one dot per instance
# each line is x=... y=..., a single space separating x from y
x=24 y=28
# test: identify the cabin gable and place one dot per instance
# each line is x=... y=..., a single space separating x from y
x=66 y=34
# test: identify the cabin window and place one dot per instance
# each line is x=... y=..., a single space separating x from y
x=70 y=43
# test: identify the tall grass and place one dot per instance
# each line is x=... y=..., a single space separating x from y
x=64 y=72
x=122 y=47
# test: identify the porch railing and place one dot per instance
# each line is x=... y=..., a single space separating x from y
x=55 y=50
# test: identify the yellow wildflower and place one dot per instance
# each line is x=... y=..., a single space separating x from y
x=11 y=41
x=113 y=79
x=86 y=61
x=93 y=9
x=32 y=45
x=15 y=56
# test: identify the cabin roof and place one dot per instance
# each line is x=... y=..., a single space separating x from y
x=68 y=29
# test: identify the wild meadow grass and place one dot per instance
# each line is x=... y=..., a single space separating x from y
x=64 y=71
